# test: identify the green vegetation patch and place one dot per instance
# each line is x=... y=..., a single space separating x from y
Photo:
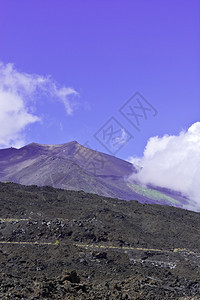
x=151 y=193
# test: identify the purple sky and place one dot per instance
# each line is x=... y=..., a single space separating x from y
x=107 y=50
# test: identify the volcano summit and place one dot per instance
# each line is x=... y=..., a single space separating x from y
x=72 y=166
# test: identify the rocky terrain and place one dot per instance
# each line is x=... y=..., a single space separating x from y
x=72 y=166
x=59 y=244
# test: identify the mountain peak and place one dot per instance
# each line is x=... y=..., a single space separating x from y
x=76 y=167
x=73 y=142
x=51 y=146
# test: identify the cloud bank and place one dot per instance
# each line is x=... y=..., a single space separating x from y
x=19 y=93
x=172 y=162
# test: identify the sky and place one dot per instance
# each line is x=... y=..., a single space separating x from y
x=108 y=74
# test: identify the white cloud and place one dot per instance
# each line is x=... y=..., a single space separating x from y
x=172 y=162
x=18 y=94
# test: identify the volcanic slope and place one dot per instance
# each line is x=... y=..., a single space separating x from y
x=58 y=244
x=75 y=167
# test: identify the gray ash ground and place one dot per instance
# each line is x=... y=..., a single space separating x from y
x=58 y=244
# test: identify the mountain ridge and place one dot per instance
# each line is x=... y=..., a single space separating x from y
x=75 y=167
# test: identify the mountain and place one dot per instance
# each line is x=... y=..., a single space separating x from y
x=59 y=244
x=74 y=167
